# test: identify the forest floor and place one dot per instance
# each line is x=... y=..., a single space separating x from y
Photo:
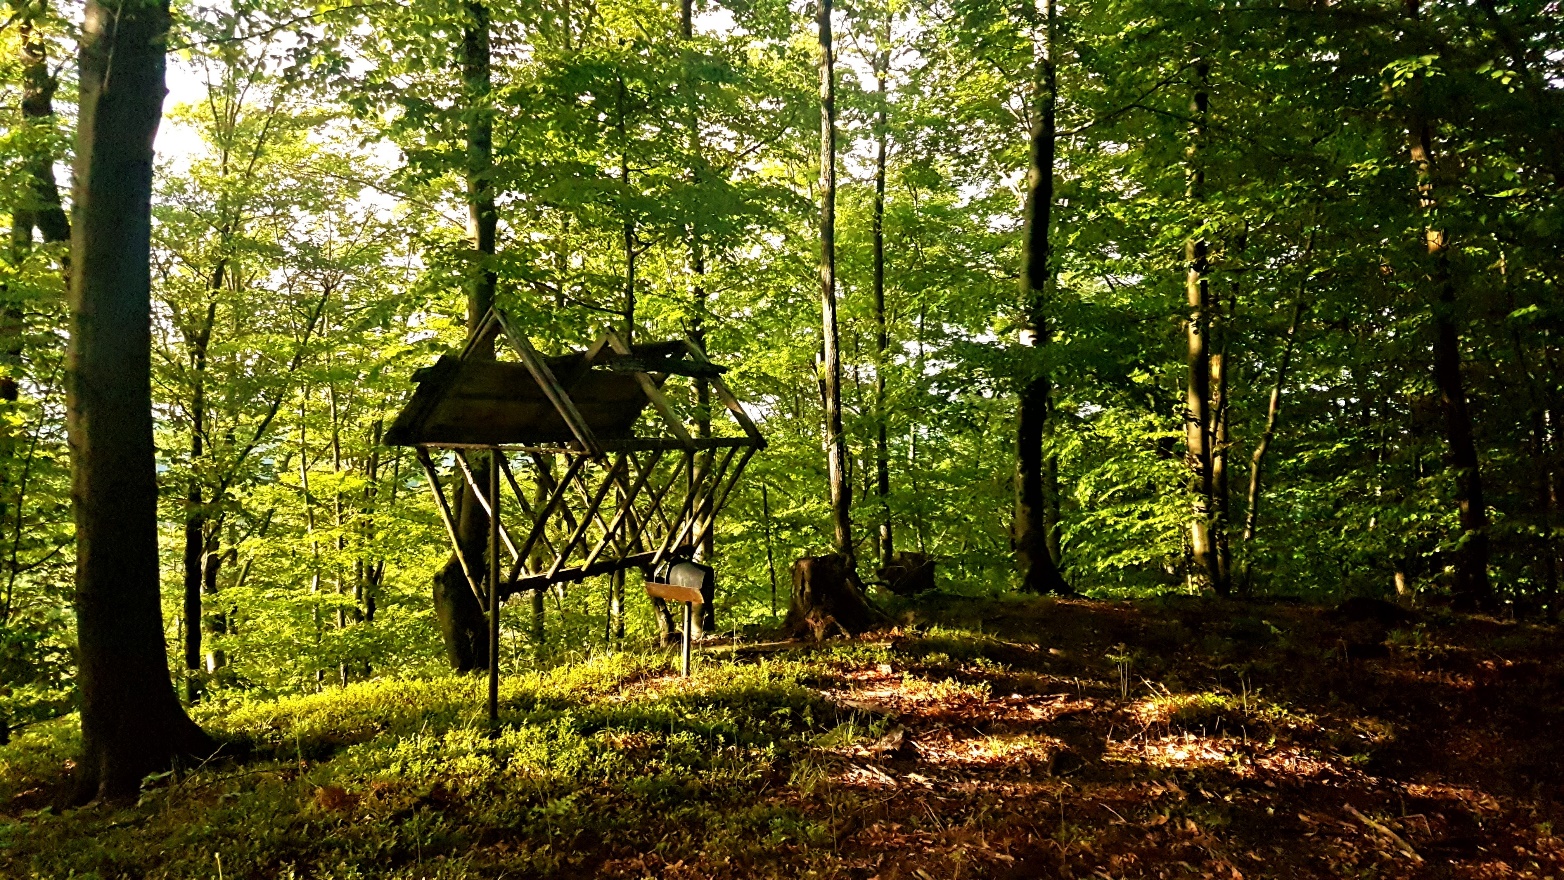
x=1069 y=738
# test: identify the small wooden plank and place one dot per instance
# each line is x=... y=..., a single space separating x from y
x=674 y=592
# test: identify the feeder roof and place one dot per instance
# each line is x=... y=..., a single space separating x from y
x=586 y=397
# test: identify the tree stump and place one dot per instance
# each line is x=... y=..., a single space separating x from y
x=828 y=599
x=908 y=574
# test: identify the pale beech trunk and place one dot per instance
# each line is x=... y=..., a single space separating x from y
x=1031 y=526
x=461 y=619
x=1199 y=433
x=831 y=379
x=131 y=720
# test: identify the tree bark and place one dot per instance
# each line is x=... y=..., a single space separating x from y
x=1272 y=414
x=132 y=723
x=1031 y=528
x=461 y=619
x=828 y=600
x=697 y=267
x=1199 y=427
x=197 y=345
x=1471 y=589
x=882 y=338
x=831 y=380
x=39 y=206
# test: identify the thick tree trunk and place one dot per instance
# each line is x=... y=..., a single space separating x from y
x=132 y=723
x=882 y=337
x=831 y=380
x=1471 y=589
x=1031 y=525
x=1199 y=426
x=828 y=600
x=461 y=618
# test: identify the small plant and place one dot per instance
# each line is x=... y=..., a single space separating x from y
x=1122 y=662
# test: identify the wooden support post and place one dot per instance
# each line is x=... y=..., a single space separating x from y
x=494 y=591
x=655 y=395
x=488 y=507
x=541 y=522
x=449 y=520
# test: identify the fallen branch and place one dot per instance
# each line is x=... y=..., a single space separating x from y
x=1385 y=832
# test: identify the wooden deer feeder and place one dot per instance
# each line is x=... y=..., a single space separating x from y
x=603 y=473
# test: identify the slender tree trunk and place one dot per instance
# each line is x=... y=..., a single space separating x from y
x=1550 y=500
x=39 y=206
x=132 y=723
x=1031 y=527
x=835 y=439
x=1272 y=413
x=1472 y=589
x=629 y=217
x=1199 y=432
x=195 y=551
x=882 y=340
x=697 y=268
x=462 y=620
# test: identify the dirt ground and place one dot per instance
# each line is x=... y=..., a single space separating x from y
x=1197 y=738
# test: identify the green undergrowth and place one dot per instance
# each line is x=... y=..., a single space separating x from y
x=771 y=761
x=399 y=778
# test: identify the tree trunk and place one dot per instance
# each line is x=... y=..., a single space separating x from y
x=40 y=206
x=1551 y=488
x=36 y=207
x=1031 y=527
x=828 y=600
x=461 y=618
x=132 y=723
x=1198 y=424
x=882 y=339
x=1472 y=590
x=831 y=380
x=697 y=323
x=1272 y=413
x=197 y=344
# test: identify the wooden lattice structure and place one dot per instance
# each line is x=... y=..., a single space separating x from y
x=603 y=473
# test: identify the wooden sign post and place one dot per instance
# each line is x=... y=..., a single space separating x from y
x=688 y=583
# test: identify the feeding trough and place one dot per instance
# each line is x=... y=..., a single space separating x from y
x=602 y=473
